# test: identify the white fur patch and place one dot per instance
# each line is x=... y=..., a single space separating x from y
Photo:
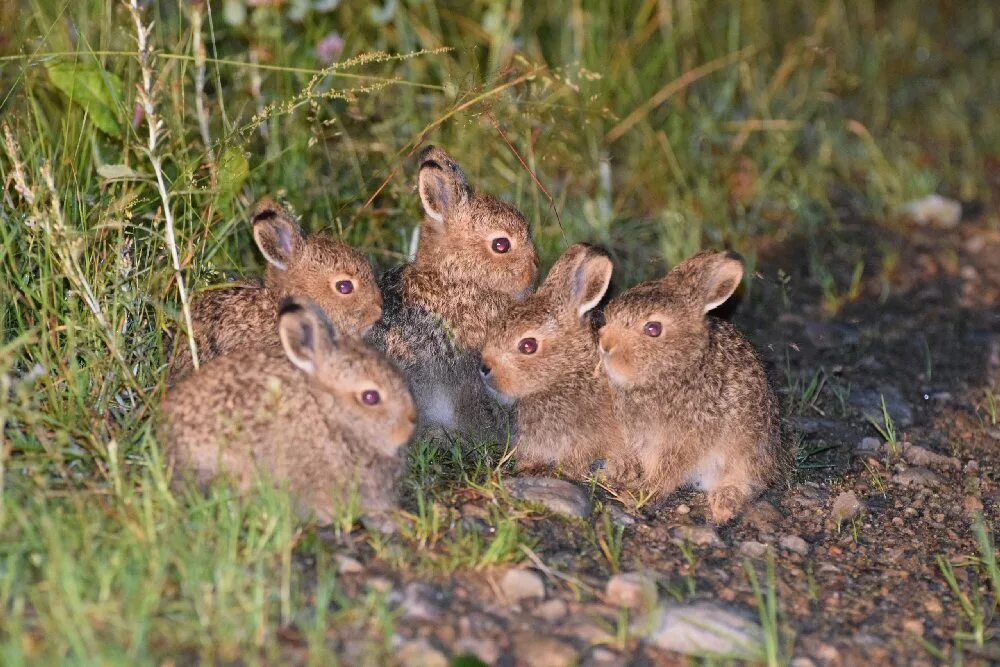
x=708 y=472
x=439 y=407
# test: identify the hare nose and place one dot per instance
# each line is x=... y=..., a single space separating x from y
x=485 y=371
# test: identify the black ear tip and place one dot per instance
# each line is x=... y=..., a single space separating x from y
x=430 y=164
x=264 y=215
x=289 y=305
x=735 y=256
x=426 y=151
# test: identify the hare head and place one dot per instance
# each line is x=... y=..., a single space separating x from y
x=659 y=326
x=471 y=237
x=547 y=338
x=370 y=399
x=334 y=275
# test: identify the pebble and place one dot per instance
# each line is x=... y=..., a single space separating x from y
x=933 y=209
x=682 y=509
x=620 y=515
x=869 y=401
x=933 y=606
x=700 y=628
x=763 y=516
x=846 y=507
x=556 y=495
x=600 y=655
x=921 y=456
x=795 y=543
x=869 y=445
x=482 y=648
x=972 y=505
x=419 y=653
x=698 y=535
x=422 y=602
x=830 y=335
x=348 y=565
x=752 y=549
x=379 y=584
x=534 y=650
x=520 y=585
x=917 y=476
x=632 y=590
x=913 y=626
x=552 y=610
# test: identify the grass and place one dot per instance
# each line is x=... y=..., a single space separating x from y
x=128 y=172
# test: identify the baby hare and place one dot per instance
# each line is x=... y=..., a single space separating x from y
x=694 y=397
x=335 y=276
x=543 y=359
x=475 y=256
x=323 y=413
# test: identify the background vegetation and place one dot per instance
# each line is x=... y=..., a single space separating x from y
x=655 y=127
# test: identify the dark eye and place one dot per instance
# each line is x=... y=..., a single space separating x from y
x=527 y=346
x=501 y=245
x=652 y=329
x=344 y=286
x=370 y=397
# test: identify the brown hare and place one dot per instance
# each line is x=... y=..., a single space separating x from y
x=475 y=256
x=322 y=413
x=335 y=276
x=693 y=395
x=543 y=360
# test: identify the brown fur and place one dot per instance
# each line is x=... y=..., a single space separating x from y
x=294 y=414
x=565 y=412
x=698 y=404
x=244 y=316
x=440 y=308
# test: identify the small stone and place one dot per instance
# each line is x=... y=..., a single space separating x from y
x=600 y=655
x=933 y=606
x=845 y=507
x=763 y=516
x=422 y=602
x=590 y=630
x=802 y=662
x=795 y=543
x=557 y=495
x=917 y=476
x=869 y=401
x=869 y=445
x=682 y=509
x=972 y=505
x=632 y=590
x=482 y=648
x=752 y=549
x=933 y=209
x=913 y=626
x=551 y=610
x=700 y=628
x=419 y=653
x=831 y=335
x=697 y=535
x=898 y=521
x=535 y=650
x=348 y=565
x=379 y=584
x=520 y=585
x=620 y=516
x=921 y=456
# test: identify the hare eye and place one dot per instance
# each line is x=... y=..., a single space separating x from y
x=527 y=346
x=370 y=397
x=501 y=244
x=344 y=286
x=652 y=329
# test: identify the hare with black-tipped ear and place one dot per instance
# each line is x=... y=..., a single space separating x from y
x=696 y=403
x=334 y=275
x=323 y=413
x=543 y=359
x=475 y=257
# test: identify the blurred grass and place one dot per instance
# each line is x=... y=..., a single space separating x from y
x=657 y=126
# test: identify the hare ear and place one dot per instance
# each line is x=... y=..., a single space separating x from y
x=278 y=235
x=590 y=279
x=442 y=184
x=723 y=275
x=306 y=333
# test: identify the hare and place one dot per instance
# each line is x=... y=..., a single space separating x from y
x=335 y=276
x=543 y=359
x=695 y=399
x=323 y=413
x=474 y=258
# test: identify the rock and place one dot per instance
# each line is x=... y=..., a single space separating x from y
x=845 y=507
x=632 y=590
x=682 y=509
x=419 y=653
x=535 y=650
x=699 y=535
x=763 y=516
x=702 y=628
x=600 y=655
x=993 y=432
x=972 y=505
x=557 y=495
x=934 y=209
x=913 y=626
x=620 y=515
x=520 y=585
x=590 y=629
x=795 y=543
x=752 y=549
x=801 y=662
x=869 y=445
x=379 y=584
x=831 y=335
x=348 y=565
x=422 y=602
x=552 y=610
x=869 y=401
x=917 y=476
x=920 y=456
x=484 y=649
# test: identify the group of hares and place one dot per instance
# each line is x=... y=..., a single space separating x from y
x=320 y=375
